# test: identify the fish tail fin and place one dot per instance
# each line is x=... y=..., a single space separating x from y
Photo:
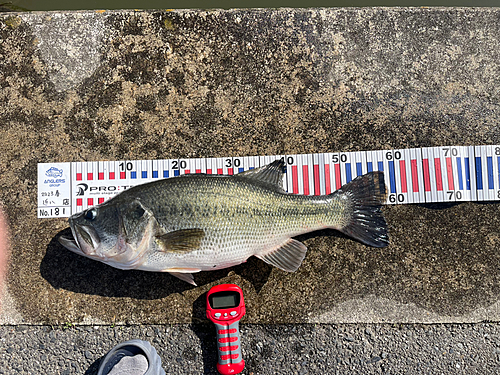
x=363 y=219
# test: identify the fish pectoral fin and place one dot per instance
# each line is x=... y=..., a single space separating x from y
x=184 y=274
x=288 y=256
x=181 y=241
x=69 y=243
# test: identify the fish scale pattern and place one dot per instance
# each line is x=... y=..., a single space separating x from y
x=240 y=218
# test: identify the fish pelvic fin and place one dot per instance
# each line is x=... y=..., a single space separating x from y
x=271 y=174
x=181 y=241
x=288 y=256
x=363 y=220
x=183 y=273
x=187 y=277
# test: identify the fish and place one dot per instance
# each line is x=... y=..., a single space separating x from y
x=199 y=222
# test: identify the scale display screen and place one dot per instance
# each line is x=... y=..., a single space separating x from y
x=224 y=300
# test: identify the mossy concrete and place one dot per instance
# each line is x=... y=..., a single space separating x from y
x=97 y=85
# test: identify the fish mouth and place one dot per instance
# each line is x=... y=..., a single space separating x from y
x=85 y=239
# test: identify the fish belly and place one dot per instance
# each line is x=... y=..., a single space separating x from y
x=226 y=248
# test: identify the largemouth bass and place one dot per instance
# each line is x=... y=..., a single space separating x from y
x=193 y=223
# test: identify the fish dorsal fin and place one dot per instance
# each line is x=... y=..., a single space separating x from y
x=287 y=256
x=180 y=241
x=271 y=174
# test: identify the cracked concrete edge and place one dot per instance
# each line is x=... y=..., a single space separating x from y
x=9 y=314
x=373 y=309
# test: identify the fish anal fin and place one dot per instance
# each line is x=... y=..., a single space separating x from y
x=288 y=256
x=180 y=241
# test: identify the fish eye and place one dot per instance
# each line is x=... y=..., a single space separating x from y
x=91 y=214
x=139 y=211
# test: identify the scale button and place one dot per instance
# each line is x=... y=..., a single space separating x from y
x=225 y=314
x=217 y=315
x=233 y=313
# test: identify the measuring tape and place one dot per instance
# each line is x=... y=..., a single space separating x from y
x=416 y=175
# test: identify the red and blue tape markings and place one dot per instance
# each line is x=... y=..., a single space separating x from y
x=417 y=175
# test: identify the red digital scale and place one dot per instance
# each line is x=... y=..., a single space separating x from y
x=226 y=307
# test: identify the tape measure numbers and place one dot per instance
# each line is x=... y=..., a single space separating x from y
x=416 y=175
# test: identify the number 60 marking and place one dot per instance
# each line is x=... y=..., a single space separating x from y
x=393 y=198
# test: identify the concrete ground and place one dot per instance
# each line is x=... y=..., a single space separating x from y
x=101 y=85
x=157 y=84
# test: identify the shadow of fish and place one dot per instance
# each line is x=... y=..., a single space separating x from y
x=193 y=223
